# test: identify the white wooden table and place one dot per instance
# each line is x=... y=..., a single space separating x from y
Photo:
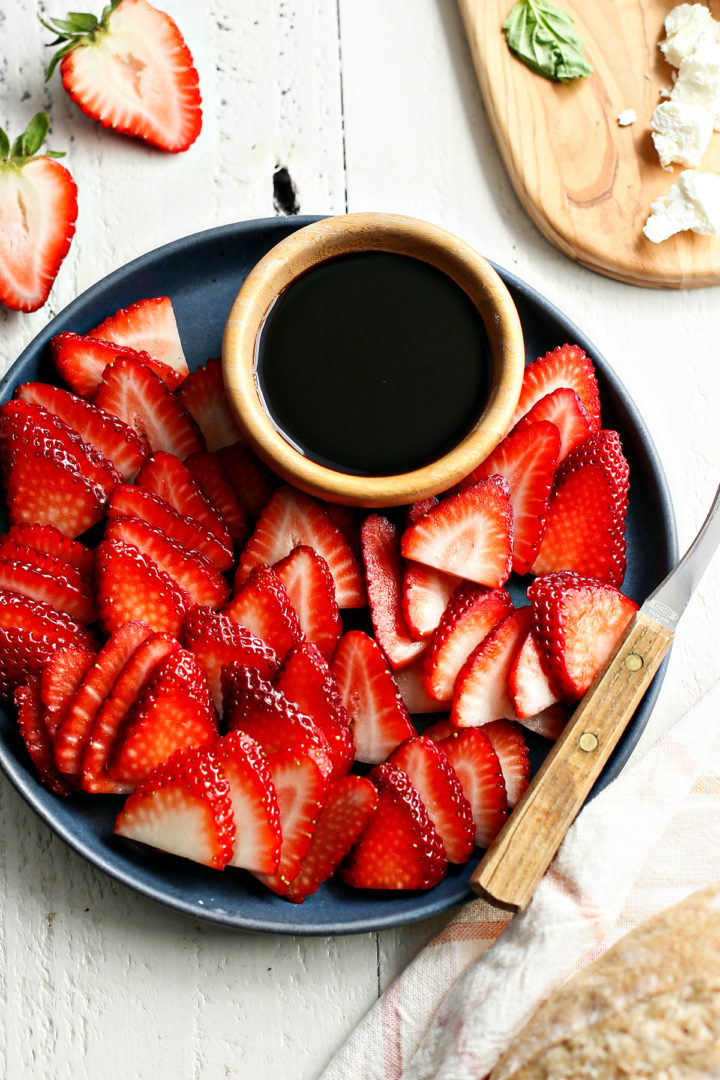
x=370 y=105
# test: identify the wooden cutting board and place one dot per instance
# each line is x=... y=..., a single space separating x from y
x=586 y=182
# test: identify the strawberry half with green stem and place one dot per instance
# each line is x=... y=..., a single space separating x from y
x=131 y=71
x=38 y=210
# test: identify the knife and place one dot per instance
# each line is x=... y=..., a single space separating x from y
x=521 y=853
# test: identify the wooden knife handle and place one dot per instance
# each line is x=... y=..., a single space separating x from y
x=522 y=851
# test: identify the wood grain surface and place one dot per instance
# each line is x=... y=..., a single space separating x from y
x=586 y=182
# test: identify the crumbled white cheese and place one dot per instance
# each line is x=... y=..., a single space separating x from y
x=685 y=25
x=698 y=79
x=692 y=203
x=627 y=117
x=681 y=132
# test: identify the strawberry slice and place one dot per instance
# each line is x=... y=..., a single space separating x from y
x=441 y=729
x=586 y=519
x=110 y=436
x=48 y=539
x=208 y=473
x=38 y=210
x=133 y=392
x=349 y=804
x=442 y=795
x=511 y=747
x=425 y=595
x=55 y=582
x=418 y=509
x=528 y=684
x=147 y=326
x=306 y=679
x=129 y=585
x=203 y=395
x=183 y=807
x=35 y=735
x=132 y=72
x=81 y=360
x=264 y=607
x=216 y=640
x=380 y=544
x=400 y=847
x=165 y=475
x=379 y=720
x=252 y=480
x=567 y=365
x=29 y=631
x=174 y=710
x=471 y=613
x=478 y=769
x=62 y=674
x=527 y=459
x=564 y=409
x=468 y=534
x=549 y=723
x=301 y=789
x=410 y=682
x=74 y=730
x=254 y=802
x=292 y=518
x=577 y=622
x=310 y=587
x=481 y=693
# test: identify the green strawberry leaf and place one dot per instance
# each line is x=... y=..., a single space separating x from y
x=544 y=38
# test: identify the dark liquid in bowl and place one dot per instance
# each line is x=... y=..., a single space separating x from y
x=373 y=364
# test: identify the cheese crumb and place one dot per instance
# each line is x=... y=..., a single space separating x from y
x=685 y=25
x=627 y=117
x=681 y=132
x=693 y=203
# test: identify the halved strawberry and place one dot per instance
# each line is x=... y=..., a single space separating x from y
x=577 y=622
x=203 y=395
x=49 y=539
x=468 y=534
x=129 y=585
x=563 y=408
x=167 y=476
x=380 y=545
x=216 y=640
x=60 y=585
x=182 y=807
x=481 y=692
x=29 y=631
x=80 y=360
x=527 y=459
x=586 y=518
x=528 y=684
x=255 y=807
x=252 y=480
x=439 y=788
x=478 y=769
x=292 y=518
x=306 y=679
x=62 y=674
x=511 y=747
x=379 y=719
x=38 y=209
x=133 y=392
x=209 y=474
x=567 y=365
x=470 y=615
x=35 y=735
x=400 y=847
x=311 y=590
x=425 y=594
x=349 y=804
x=264 y=607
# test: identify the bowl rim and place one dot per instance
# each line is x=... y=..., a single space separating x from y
x=329 y=238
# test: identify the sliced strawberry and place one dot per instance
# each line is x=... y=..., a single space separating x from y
x=183 y=807
x=254 y=802
x=528 y=684
x=81 y=360
x=49 y=539
x=549 y=723
x=310 y=587
x=418 y=509
x=174 y=710
x=74 y=731
x=216 y=640
x=577 y=623
x=203 y=395
x=481 y=693
x=527 y=459
x=292 y=518
x=468 y=534
x=135 y=674
x=208 y=473
x=165 y=475
x=400 y=847
x=379 y=719
x=306 y=679
x=252 y=480
x=133 y=392
x=410 y=682
x=149 y=326
x=511 y=747
x=425 y=594
x=349 y=804
x=35 y=735
x=60 y=585
x=62 y=674
x=131 y=586
x=439 y=788
x=586 y=519
x=130 y=501
x=264 y=607
x=132 y=72
x=380 y=543
x=441 y=729
x=567 y=365
x=190 y=570
x=477 y=767
x=471 y=613
x=563 y=408
x=347 y=520
x=38 y=210
x=29 y=631
x=301 y=790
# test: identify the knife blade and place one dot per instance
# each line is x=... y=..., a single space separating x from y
x=521 y=853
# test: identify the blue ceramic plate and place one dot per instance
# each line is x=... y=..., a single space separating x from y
x=202 y=274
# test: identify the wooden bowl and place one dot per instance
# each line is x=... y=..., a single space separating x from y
x=327 y=239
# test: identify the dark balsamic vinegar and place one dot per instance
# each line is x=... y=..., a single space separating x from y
x=373 y=363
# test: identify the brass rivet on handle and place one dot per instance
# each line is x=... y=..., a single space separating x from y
x=588 y=742
x=633 y=661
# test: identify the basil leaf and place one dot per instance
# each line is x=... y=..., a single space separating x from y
x=544 y=37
